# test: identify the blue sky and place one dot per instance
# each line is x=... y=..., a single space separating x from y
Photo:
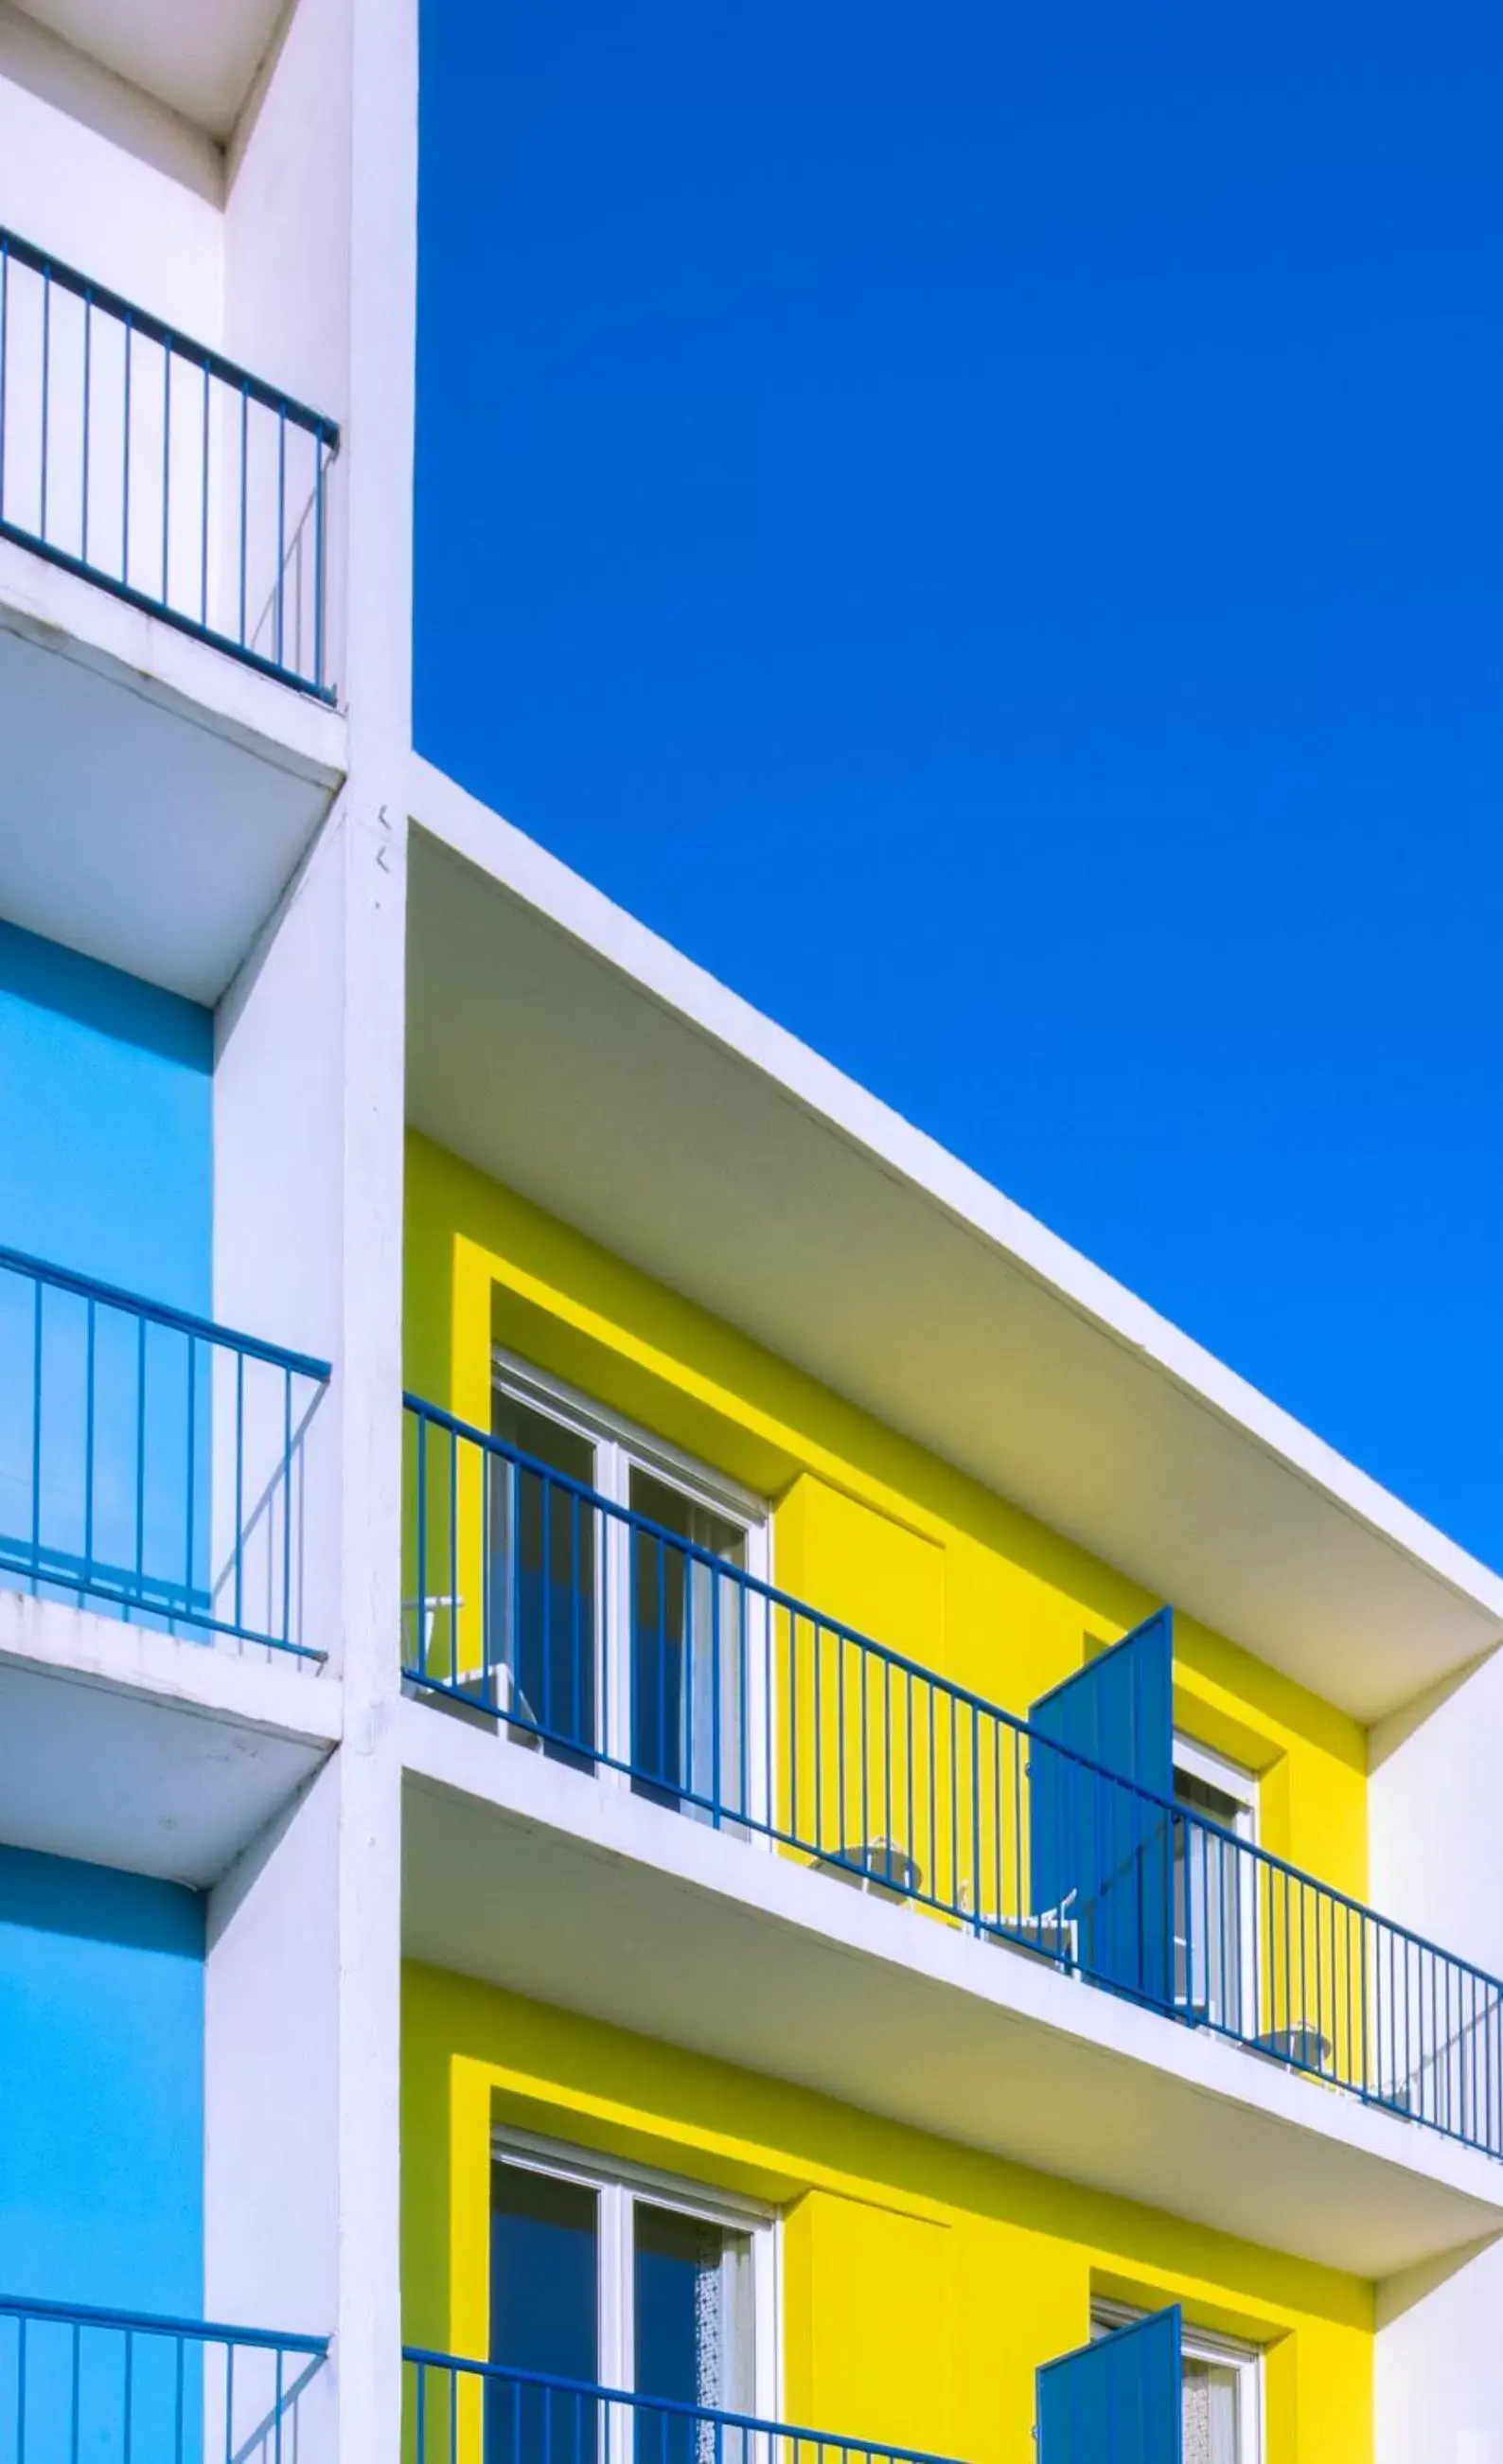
x=986 y=526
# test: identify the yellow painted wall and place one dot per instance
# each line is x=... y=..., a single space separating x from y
x=922 y=2284
x=868 y=1527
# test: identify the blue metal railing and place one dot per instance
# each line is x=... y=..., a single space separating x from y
x=126 y=2386
x=161 y=470
x=151 y=1463
x=482 y=2412
x=597 y=1636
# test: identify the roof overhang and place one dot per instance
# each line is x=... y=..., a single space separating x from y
x=198 y=57
x=560 y=1046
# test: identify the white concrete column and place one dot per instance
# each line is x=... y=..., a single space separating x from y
x=1435 y=1815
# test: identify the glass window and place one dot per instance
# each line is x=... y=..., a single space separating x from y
x=544 y=2273
x=690 y=1652
x=542 y=1643
x=1212 y=2429
x=692 y=2309
x=615 y=2281
x=608 y=1639
x=1213 y=1896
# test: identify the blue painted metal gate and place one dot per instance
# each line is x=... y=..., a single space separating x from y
x=1102 y=1855
x=1116 y=2400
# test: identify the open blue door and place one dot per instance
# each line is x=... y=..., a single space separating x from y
x=1117 y=2401
x=1102 y=1855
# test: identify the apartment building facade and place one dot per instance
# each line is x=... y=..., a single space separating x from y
x=667 y=1783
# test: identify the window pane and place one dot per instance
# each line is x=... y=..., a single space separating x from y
x=692 y=2300
x=544 y=2273
x=1210 y=1878
x=690 y=1646
x=542 y=1595
x=1210 y=2414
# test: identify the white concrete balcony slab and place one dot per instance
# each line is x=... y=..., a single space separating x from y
x=125 y=1747
x=577 y=1891
x=157 y=796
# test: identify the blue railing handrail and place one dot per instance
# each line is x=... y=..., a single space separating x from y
x=204 y=2331
x=422 y=2358
x=1190 y=1816
x=156 y=329
x=298 y=1364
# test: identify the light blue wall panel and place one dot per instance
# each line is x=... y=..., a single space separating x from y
x=106 y=1123
x=106 y=1168
x=101 y=2086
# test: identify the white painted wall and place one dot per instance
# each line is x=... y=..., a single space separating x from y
x=287 y=277
x=272 y=2076
x=279 y=1233
x=1439 y=2371
x=98 y=173
x=1435 y=1817
x=308 y=1235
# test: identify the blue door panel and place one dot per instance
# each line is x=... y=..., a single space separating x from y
x=1102 y=1855
x=1117 y=2401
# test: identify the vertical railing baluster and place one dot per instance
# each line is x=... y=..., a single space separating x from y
x=141 y=1458
x=240 y=1480
x=125 y=464
x=453 y=1560
x=287 y=1506
x=863 y=1742
x=88 y=1436
x=47 y=362
x=203 y=514
x=281 y=524
x=318 y=558
x=975 y=1825
x=166 y=468
x=245 y=500
x=5 y=359
x=716 y=1707
x=36 y=1431
x=190 y=1588
x=88 y=359
x=886 y=1744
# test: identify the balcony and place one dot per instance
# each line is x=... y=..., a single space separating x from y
x=128 y=2388
x=582 y=1629
x=147 y=464
x=1117 y=2401
x=157 y=1479
x=152 y=1465
x=479 y=2412
x=607 y=1652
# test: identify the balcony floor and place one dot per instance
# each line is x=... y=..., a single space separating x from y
x=578 y=1893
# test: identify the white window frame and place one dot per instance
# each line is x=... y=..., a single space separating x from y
x=619 y=2185
x=1234 y=1780
x=621 y=1447
x=1199 y=2344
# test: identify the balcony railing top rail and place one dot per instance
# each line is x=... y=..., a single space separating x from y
x=116 y=2385
x=89 y=1288
x=152 y=1462
x=578 y=2394
x=155 y=467
x=155 y=2322
x=751 y=1709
